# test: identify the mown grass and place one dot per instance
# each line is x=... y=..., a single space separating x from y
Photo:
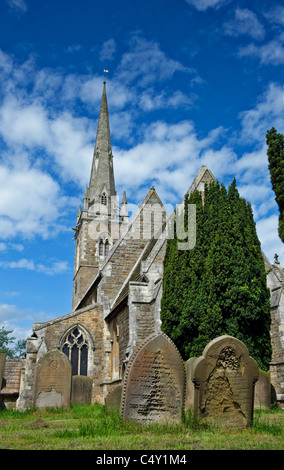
x=84 y=427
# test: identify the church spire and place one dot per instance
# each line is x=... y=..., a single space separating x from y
x=102 y=174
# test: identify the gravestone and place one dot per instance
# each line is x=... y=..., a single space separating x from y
x=81 y=389
x=224 y=378
x=53 y=381
x=189 y=392
x=2 y=381
x=113 y=398
x=154 y=382
x=262 y=392
x=2 y=366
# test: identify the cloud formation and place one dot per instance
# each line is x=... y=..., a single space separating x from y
x=46 y=145
x=203 y=5
x=245 y=22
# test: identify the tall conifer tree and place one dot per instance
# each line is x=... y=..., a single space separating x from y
x=275 y=152
x=218 y=287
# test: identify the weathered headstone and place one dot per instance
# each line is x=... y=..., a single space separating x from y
x=113 y=398
x=189 y=392
x=2 y=365
x=154 y=382
x=262 y=392
x=224 y=378
x=53 y=381
x=81 y=389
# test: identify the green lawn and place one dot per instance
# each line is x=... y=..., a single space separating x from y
x=94 y=427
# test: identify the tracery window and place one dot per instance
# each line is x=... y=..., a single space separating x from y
x=76 y=347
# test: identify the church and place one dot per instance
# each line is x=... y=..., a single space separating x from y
x=117 y=284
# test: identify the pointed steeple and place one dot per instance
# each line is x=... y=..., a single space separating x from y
x=102 y=174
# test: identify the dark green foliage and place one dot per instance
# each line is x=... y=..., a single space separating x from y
x=218 y=287
x=275 y=154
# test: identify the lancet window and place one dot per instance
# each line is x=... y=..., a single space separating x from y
x=104 y=199
x=104 y=247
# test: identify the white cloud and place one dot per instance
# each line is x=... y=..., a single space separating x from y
x=245 y=22
x=203 y=5
x=20 y=5
x=108 y=50
x=145 y=63
x=269 y=53
x=267 y=112
x=54 y=267
x=30 y=203
x=23 y=124
x=12 y=246
x=267 y=230
x=275 y=14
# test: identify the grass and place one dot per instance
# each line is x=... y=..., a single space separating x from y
x=93 y=427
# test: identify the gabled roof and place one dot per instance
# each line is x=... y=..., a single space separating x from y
x=150 y=194
x=203 y=176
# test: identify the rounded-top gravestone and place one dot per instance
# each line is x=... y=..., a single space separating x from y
x=224 y=378
x=53 y=381
x=154 y=382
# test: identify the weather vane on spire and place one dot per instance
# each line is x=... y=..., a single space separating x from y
x=105 y=72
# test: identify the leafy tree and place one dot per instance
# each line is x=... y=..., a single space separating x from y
x=6 y=341
x=275 y=152
x=218 y=287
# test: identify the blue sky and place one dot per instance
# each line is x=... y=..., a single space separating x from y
x=190 y=83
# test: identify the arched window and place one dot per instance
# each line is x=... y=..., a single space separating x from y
x=75 y=346
x=104 y=199
x=101 y=247
x=104 y=247
x=115 y=351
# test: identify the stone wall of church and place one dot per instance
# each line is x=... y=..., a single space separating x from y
x=49 y=337
x=86 y=262
x=277 y=360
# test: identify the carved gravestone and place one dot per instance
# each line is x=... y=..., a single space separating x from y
x=81 y=389
x=154 y=382
x=224 y=378
x=53 y=381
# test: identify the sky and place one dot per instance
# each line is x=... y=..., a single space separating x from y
x=189 y=83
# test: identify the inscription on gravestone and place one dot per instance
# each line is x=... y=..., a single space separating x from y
x=224 y=378
x=53 y=381
x=154 y=383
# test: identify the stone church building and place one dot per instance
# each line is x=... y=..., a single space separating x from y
x=117 y=285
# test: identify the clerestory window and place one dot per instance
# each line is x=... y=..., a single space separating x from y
x=75 y=346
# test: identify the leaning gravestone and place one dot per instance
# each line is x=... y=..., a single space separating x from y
x=224 y=378
x=53 y=381
x=154 y=382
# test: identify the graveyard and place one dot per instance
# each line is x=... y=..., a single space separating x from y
x=94 y=427
x=206 y=403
